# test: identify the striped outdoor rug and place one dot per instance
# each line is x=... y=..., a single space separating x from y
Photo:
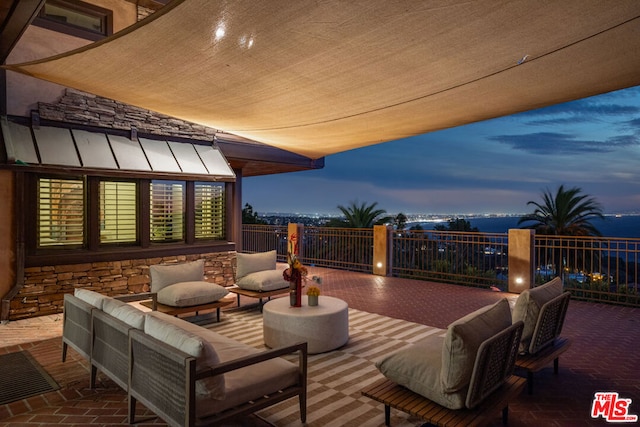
x=336 y=378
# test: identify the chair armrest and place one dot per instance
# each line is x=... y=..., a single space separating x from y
x=153 y=296
x=253 y=359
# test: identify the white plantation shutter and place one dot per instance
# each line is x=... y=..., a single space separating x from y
x=210 y=210
x=118 y=212
x=167 y=211
x=60 y=212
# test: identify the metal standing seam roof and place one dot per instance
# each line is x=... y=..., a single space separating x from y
x=54 y=146
x=317 y=78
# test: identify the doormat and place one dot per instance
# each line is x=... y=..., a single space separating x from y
x=21 y=376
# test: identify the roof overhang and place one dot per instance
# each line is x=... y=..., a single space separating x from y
x=317 y=78
x=50 y=149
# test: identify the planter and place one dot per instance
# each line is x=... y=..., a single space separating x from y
x=312 y=300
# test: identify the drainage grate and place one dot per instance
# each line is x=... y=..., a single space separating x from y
x=21 y=376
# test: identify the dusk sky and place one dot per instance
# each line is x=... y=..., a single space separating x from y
x=495 y=166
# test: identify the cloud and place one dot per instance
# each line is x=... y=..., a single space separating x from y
x=546 y=143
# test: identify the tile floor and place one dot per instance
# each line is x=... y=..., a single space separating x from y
x=603 y=356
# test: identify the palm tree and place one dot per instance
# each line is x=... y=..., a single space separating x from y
x=400 y=221
x=363 y=216
x=568 y=213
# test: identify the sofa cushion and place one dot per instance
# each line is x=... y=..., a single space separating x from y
x=528 y=305
x=463 y=339
x=418 y=368
x=250 y=263
x=184 y=294
x=163 y=275
x=170 y=330
x=267 y=280
x=125 y=312
x=91 y=297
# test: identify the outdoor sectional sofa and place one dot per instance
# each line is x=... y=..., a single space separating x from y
x=187 y=374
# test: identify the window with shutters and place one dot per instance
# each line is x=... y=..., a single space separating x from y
x=209 y=210
x=61 y=208
x=118 y=212
x=77 y=18
x=167 y=211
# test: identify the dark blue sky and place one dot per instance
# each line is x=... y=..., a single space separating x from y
x=495 y=166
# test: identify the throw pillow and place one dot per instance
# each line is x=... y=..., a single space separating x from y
x=463 y=339
x=163 y=275
x=527 y=308
x=190 y=343
x=250 y=263
x=184 y=294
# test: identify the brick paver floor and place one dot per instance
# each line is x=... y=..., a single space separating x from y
x=603 y=356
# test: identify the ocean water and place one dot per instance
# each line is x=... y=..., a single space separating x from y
x=611 y=226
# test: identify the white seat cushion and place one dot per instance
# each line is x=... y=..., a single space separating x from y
x=185 y=294
x=267 y=280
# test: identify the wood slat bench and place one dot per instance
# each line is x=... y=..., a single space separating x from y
x=175 y=311
x=536 y=362
x=257 y=294
x=396 y=396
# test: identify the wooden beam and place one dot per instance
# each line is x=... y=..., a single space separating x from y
x=20 y=15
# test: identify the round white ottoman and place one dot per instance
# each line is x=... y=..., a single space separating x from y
x=324 y=327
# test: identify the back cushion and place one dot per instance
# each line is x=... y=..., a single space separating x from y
x=165 y=275
x=528 y=306
x=250 y=263
x=463 y=339
x=125 y=312
x=188 y=342
x=91 y=297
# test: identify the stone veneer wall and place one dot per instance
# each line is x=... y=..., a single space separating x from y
x=44 y=287
x=91 y=110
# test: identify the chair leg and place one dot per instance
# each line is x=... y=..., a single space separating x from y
x=505 y=415
x=303 y=407
x=132 y=409
x=555 y=365
x=387 y=415
x=64 y=351
x=92 y=380
x=530 y=381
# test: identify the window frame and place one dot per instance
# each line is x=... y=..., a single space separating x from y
x=92 y=249
x=104 y=15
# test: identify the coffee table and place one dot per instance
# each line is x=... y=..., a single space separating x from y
x=324 y=327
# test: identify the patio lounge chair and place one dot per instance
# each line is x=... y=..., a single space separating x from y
x=463 y=378
x=181 y=288
x=258 y=276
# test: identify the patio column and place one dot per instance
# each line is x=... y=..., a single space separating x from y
x=521 y=259
x=381 y=240
x=295 y=232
